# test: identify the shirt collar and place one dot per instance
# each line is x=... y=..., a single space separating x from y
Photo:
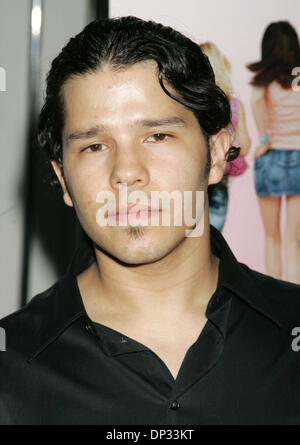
x=246 y=283
x=57 y=308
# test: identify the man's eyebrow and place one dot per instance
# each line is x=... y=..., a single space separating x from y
x=140 y=123
x=168 y=120
x=85 y=134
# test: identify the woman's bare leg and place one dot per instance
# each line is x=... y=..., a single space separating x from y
x=270 y=207
x=292 y=239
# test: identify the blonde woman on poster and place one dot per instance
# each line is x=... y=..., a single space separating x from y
x=218 y=193
x=276 y=110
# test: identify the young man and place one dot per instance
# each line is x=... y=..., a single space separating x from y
x=152 y=323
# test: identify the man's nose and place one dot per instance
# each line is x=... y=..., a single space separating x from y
x=129 y=166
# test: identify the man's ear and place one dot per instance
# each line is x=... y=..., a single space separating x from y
x=59 y=173
x=219 y=146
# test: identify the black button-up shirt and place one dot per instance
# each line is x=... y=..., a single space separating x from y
x=60 y=367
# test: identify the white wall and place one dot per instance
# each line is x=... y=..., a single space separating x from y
x=236 y=27
x=14 y=41
x=62 y=19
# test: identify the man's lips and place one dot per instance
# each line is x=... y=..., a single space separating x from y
x=133 y=209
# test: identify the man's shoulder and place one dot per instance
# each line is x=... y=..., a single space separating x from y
x=277 y=287
x=282 y=297
x=22 y=326
x=31 y=309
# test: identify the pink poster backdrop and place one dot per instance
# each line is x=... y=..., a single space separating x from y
x=236 y=27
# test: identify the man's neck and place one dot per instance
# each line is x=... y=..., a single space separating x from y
x=176 y=286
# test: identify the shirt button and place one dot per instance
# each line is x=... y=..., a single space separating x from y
x=174 y=405
x=89 y=329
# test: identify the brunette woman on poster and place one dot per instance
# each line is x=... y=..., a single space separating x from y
x=276 y=110
x=218 y=193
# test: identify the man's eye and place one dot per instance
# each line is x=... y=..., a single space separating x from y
x=95 y=147
x=158 y=137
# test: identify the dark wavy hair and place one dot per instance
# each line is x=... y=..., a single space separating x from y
x=124 y=42
x=280 y=54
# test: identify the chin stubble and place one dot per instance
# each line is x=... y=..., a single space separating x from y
x=136 y=232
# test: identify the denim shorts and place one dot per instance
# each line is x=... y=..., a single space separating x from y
x=277 y=173
x=218 y=203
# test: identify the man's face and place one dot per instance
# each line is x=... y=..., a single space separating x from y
x=121 y=128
